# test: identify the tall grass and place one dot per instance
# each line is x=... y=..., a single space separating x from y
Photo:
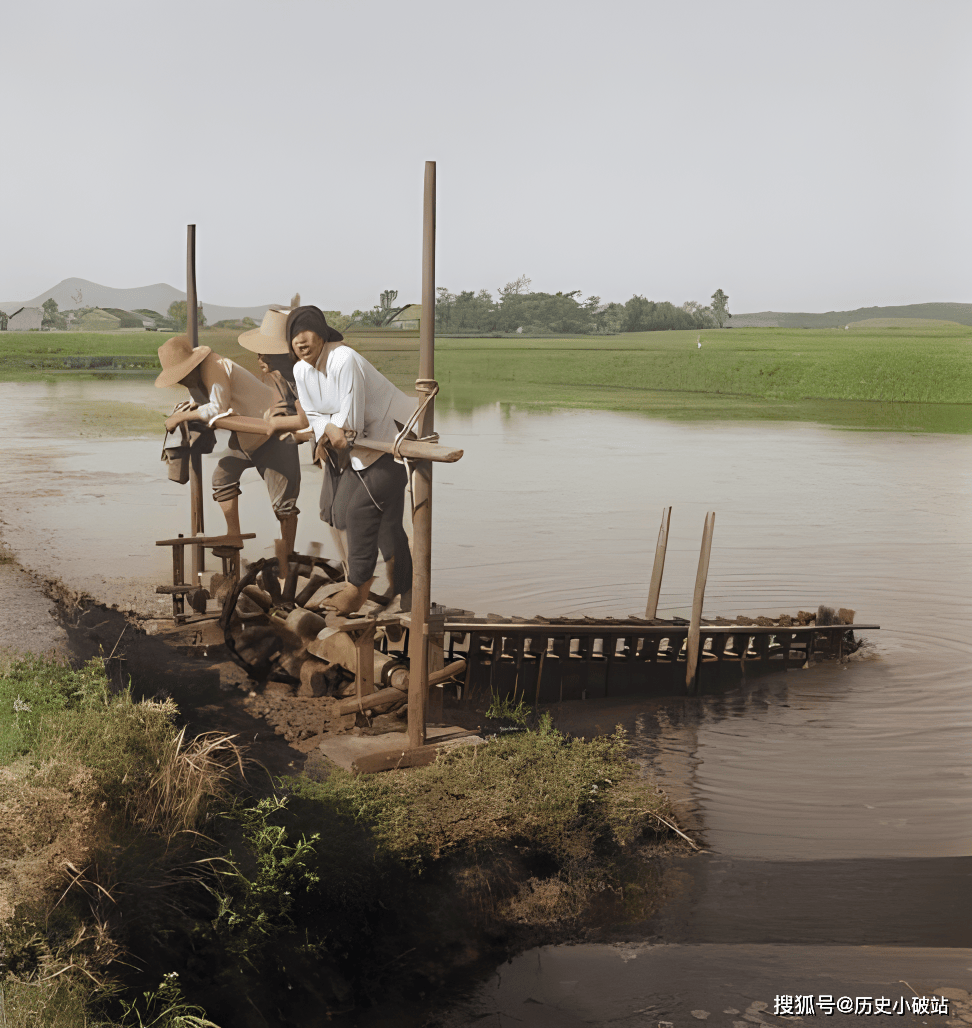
x=140 y=846
x=103 y=798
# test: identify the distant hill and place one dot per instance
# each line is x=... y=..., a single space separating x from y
x=156 y=297
x=961 y=313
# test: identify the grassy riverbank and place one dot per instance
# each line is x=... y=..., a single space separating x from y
x=135 y=860
x=909 y=378
x=899 y=365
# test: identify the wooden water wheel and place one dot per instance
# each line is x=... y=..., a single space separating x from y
x=283 y=631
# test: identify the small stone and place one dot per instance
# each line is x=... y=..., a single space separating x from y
x=958 y=995
x=730 y=1010
x=700 y=1015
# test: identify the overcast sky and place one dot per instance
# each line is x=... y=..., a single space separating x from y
x=801 y=155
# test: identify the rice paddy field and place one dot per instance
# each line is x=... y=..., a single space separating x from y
x=913 y=377
x=908 y=365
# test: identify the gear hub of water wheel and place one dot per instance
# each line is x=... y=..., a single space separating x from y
x=268 y=626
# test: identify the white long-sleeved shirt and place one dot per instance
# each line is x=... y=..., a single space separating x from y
x=349 y=392
x=233 y=390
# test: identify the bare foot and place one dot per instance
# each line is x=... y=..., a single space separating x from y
x=229 y=540
x=349 y=599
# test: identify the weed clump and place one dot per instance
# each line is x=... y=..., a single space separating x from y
x=101 y=798
x=328 y=883
x=136 y=852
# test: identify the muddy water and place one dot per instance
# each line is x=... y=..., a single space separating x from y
x=836 y=802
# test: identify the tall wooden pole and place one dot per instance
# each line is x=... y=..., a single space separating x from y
x=692 y=645
x=418 y=647
x=659 y=566
x=195 y=459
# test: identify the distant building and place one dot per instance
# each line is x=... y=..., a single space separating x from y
x=25 y=319
x=409 y=317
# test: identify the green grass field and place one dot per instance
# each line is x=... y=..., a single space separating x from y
x=913 y=377
x=932 y=365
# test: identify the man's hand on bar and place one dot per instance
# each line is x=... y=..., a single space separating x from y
x=184 y=412
x=338 y=437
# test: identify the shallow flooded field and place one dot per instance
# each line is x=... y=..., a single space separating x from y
x=838 y=788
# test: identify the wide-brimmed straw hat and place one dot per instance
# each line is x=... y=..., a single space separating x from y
x=271 y=336
x=178 y=358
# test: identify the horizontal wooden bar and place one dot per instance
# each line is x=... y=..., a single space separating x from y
x=621 y=628
x=202 y=540
x=239 y=423
x=414 y=450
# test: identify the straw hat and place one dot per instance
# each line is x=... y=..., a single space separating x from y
x=178 y=358
x=271 y=336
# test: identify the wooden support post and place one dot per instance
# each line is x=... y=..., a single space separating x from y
x=178 y=578
x=692 y=650
x=659 y=566
x=436 y=662
x=195 y=459
x=364 y=676
x=418 y=678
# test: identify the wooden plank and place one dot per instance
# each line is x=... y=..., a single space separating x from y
x=239 y=423
x=658 y=567
x=419 y=756
x=415 y=450
x=204 y=540
x=508 y=629
x=374 y=701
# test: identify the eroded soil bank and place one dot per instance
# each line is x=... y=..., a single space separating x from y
x=458 y=922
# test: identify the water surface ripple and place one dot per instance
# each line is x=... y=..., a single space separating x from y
x=557 y=513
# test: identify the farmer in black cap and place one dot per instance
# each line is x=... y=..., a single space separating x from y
x=343 y=398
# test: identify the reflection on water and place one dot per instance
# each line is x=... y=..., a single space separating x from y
x=465 y=397
x=557 y=512
x=633 y=986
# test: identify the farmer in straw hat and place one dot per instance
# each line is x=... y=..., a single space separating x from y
x=218 y=387
x=269 y=343
x=341 y=395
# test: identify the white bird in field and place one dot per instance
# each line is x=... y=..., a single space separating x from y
x=700 y=341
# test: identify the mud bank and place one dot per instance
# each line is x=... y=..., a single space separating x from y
x=441 y=934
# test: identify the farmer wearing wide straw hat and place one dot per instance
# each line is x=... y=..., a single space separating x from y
x=342 y=394
x=276 y=361
x=219 y=386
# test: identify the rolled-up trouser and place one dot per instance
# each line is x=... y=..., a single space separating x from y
x=279 y=467
x=370 y=504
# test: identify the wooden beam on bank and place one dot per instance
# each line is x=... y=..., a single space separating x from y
x=418 y=643
x=418 y=756
x=692 y=643
x=195 y=459
x=659 y=565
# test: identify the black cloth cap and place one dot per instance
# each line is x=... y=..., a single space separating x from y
x=311 y=319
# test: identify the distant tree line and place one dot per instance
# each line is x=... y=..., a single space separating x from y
x=517 y=309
